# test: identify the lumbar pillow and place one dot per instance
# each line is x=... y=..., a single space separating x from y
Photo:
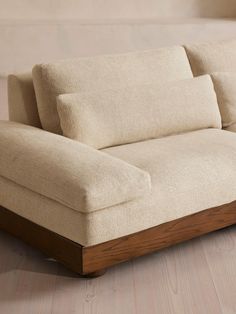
x=101 y=73
x=212 y=57
x=225 y=87
x=121 y=116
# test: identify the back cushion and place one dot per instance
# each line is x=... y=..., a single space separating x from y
x=131 y=114
x=212 y=57
x=225 y=87
x=101 y=73
x=21 y=100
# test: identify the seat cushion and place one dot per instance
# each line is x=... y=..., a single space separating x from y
x=188 y=169
x=225 y=87
x=190 y=173
x=212 y=57
x=132 y=114
x=104 y=72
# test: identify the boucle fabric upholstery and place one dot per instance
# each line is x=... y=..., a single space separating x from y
x=190 y=172
x=133 y=114
x=101 y=73
x=225 y=87
x=69 y=172
x=22 y=103
x=212 y=57
x=231 y=128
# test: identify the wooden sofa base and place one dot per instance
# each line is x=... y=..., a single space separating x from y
x=92 y=261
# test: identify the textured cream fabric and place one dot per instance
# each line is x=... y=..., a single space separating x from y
x=212 y=57
x=225 y=87
x=133 y=114
x=69 y=172
x=43 y=211
x=22 y=101
x=231 y=128
x=104 y=72
x=190 y=172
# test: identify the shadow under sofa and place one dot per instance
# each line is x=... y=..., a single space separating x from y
x=112 y=157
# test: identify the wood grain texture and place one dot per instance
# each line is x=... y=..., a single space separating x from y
x=221 y=258
x=112 y=252
x=91 y=261
x=66 y=251
x=182 y=284
x=175 y=280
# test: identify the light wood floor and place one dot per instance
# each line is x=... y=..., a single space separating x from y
x=195 y=277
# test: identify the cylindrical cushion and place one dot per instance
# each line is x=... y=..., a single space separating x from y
x=132 y=114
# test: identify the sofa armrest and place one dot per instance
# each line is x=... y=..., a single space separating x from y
x=67 y=171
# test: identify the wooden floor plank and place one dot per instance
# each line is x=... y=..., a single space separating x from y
x=28 y=278
x=220 y=251
x=175 y=280
x=195 y=277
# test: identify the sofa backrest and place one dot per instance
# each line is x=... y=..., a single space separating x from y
x=206 y=58
x=22 y=103
x=102 y=73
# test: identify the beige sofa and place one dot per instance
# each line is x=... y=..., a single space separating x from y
x=112 y=157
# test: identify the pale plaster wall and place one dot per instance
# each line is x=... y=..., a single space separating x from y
x=25 y=43
x=33 y=31
x=94 y=9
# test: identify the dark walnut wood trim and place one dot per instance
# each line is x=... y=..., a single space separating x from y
x=92 y=261
x=52 y=244
x=153 y=239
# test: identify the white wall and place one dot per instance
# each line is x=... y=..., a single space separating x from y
x=22 y=44
x=33 y=31
x=104 y=9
